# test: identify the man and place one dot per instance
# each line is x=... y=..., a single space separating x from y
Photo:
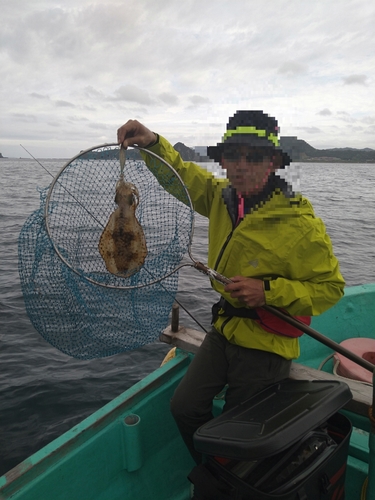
x=268 y=241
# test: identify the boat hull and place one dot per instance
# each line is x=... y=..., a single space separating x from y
x=101 y=458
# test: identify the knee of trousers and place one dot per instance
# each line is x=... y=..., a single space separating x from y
x=182 y=407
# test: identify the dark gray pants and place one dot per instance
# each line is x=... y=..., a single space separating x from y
x=217 y=363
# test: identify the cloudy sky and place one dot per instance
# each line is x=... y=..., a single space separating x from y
x=72 y=71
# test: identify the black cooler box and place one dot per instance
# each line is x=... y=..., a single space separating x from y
x=287 y=443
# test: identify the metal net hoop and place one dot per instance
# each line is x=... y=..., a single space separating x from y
x=80 y=201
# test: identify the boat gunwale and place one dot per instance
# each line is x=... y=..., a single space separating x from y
x=23 y=473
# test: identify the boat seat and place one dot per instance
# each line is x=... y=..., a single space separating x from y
x=362 y=393
x=189 y=340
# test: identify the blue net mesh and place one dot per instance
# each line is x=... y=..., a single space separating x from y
x=74 y=302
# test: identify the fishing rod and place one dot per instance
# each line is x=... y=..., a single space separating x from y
x=296 y=323
x=35 y=159
x=320 y=338
x=64 y=187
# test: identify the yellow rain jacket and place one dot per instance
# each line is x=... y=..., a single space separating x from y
x=282 y=241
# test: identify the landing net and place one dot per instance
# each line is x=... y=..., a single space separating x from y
x=71 y=298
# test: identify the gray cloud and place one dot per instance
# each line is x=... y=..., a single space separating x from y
x=345 y=117
x=91 y=92
x=168 y=98
x=325 y=112
x=64 y=104
x=100 y=126
x=183 y=68
x=292 y=68
x=198 y=100
x=38 y=96
x=310 y=130
x=371 y=132
x=87 y=107
x=355 y=80
x=132 y=93
x=24 y=117
x=369 y=120
x=78 y=118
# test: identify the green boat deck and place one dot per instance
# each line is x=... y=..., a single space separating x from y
x=103 y=458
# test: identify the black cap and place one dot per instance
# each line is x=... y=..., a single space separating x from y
x=253 y=129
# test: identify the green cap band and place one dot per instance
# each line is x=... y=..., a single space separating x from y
x=252 y=130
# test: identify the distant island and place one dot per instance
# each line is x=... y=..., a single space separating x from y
x=299 y=150
x=189 y=154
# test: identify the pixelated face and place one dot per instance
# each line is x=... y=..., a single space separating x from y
x=248 y=168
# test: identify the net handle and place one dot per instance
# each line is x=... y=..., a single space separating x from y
x=48 y=229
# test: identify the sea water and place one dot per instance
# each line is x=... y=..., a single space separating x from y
x=43 y=392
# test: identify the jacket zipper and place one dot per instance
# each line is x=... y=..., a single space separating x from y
x=217 y=265
x=222 y=250
x=215 y=268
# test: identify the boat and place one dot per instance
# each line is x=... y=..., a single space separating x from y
x=131 y=448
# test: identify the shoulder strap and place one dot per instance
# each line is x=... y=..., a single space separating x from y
x=224 y=308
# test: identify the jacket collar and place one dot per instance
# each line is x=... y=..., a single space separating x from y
x=274 y=183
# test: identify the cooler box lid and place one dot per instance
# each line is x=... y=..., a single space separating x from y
x=271 y=420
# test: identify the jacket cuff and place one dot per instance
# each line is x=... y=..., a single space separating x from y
x=153 y=143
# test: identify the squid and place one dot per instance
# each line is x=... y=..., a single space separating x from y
x=122 y=244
